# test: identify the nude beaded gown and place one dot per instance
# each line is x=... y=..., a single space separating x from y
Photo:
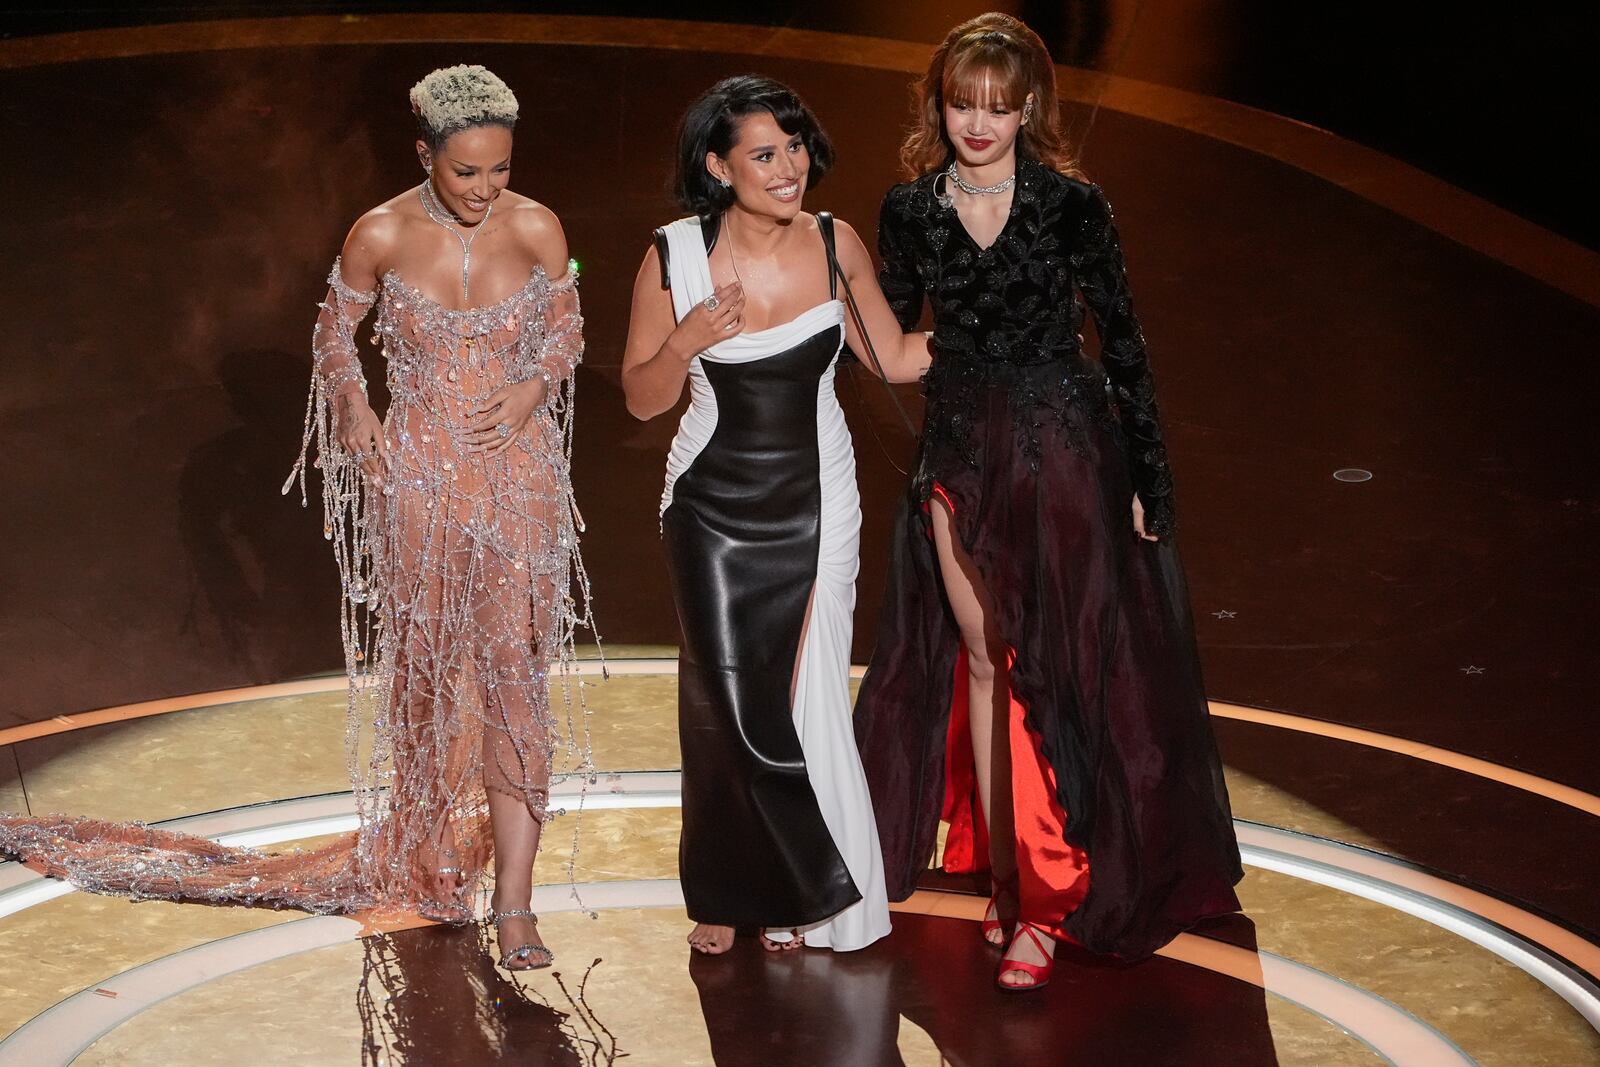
x=463 y=590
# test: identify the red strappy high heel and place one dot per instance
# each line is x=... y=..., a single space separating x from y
x=1039 y=972
x=1008 y=885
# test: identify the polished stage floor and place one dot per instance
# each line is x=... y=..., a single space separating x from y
x=1348 y=955
x=1402 y=666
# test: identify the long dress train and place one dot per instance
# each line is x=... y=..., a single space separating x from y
x=761 y=517
x=461 y=586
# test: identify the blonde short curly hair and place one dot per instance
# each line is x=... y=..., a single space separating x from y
x=452 y=99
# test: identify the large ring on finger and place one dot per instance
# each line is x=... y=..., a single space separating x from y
x=711 y=302
x=504 y=428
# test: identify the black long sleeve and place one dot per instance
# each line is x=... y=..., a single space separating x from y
x=1103 y=281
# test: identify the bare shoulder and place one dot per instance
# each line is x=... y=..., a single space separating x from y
x=370 y=246
x=650 y=268
x=851 y=252
x=537 y=230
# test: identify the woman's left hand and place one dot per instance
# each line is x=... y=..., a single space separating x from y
x=1138 y=521
x=508 y=407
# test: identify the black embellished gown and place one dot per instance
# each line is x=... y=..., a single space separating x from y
x=1039 y=450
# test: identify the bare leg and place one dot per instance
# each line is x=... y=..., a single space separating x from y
x=989 y=708
x=516 y=844
x=516 y=762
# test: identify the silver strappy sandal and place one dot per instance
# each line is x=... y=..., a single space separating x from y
x=523 y=957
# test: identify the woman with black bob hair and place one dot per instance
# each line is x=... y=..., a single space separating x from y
x=712 y=125
x=761 y=520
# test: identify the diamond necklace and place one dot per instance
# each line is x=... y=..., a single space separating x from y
x=978 y=190
x=438 y=213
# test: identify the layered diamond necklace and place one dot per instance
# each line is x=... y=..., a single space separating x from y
x=978 y=190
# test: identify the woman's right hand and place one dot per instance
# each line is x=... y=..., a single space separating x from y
x=361 y=435
x=704 y=326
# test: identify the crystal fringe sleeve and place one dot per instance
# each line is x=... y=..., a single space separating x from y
x=555 y=348
x=336 y=369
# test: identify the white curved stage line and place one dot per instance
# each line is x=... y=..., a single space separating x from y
x=1561 y=960
x=64 y=1031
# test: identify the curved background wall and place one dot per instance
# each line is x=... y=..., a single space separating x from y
x=173 y=216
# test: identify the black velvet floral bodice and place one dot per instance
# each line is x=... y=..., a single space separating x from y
x=1012 y=315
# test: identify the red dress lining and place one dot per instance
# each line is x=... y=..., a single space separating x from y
x=1053 y=876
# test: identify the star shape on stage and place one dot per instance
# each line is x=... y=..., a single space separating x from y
x=1470 y=669
x=1224 y=614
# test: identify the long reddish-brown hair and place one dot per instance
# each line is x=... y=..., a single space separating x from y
x=999 y=51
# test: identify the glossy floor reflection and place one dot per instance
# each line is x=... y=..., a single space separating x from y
x=1313 y=975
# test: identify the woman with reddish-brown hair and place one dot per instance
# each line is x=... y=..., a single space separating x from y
x=1035 y=680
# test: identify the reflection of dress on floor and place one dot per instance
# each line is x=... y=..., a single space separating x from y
x=760 y=518
x=456 y=605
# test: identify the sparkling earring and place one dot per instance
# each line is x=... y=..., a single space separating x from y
x=725 y=183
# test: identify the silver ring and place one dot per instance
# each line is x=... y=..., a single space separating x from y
x=448 y=870
x=711 y=302
x=504 y=428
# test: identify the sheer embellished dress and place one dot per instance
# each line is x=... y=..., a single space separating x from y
x=1123 y=830
x=761 y=522
x=461 y=588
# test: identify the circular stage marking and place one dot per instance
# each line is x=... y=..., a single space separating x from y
x=1530 y=783
x=1352 y=474
x=1554 y=956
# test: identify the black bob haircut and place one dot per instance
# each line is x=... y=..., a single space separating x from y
x=712 y=125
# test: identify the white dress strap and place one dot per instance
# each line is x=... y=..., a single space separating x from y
x=687 y=265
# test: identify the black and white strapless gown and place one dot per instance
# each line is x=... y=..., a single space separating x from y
x=760 y=518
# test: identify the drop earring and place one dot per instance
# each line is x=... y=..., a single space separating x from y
x=725 y=183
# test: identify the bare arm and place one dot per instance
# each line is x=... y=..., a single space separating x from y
x=905 y=356
x=656 y=359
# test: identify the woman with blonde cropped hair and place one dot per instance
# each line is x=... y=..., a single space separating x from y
x=454 y=528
